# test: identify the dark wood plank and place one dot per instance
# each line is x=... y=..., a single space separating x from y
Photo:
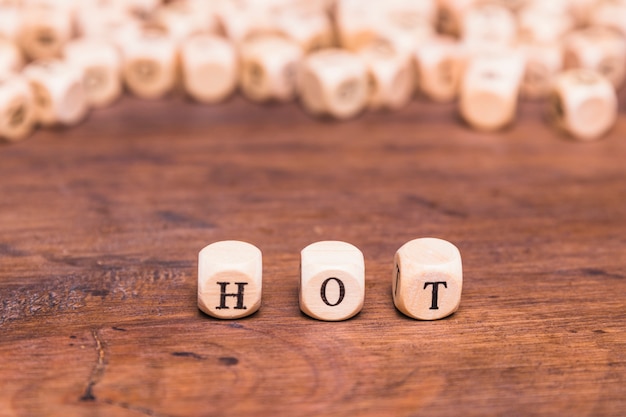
x=100 y=226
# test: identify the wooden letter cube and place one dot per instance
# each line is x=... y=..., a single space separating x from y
x=268 y=68
x=606 y=13
x=17 y=108
x=101 y=65
x=584 y=104
x=439 y=65
x=356 y=25
x=58 y=91
x=391 y=76
x=311 y=30
x=450 y=16
x=241 y=20
x=11 y=17
x=543 y=63
x=541 y=25
x=332 y=282
x=11 y=59
x=427 y=279
x=209 y=67
x=333 y=82
x=599 y=49
x=489 y=90
x=183 y=19
x=488 y=27
x=405 y=24
x=149 y=64
x=44 y=31
x=229 y=279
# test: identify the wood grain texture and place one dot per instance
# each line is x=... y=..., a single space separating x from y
x=101 y=224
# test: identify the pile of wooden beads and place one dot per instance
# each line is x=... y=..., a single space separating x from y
x=58 y=58
x=427 y=279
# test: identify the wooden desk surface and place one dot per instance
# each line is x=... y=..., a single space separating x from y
x=100 y=226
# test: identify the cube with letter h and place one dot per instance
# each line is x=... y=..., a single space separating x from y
x=427 y=279
x=229 y=279
x=332 y=280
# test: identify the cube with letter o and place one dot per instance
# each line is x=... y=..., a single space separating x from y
x=332 y=280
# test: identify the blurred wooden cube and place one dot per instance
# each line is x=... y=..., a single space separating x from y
x=210 y=68
x=101 y=65
x=183 y=19
x=488 y=28
x=391 y=76
x=242 y=20
x=104 y=20
x=543 y=62
x=439 y=65
x=44 y=31
x=582 y=11
x=584 y=104
x=610 y=14
x=17 y=107
x=310 y=29
x=149 y=64
x=490 y=89
x=357 y=24
x=268 y=68
x=538 y=24
x=58 y=91
x=407 y=24
x=403 y=24
x=11 y=59
x=11 y=17
x=333 y=82
x=450 y=15
x=598 y=48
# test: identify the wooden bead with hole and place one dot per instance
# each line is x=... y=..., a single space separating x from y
x=332 y=280
x=58 y=92
x=489 y=90
x=584 y=104
x=230 y=277
x=101 y=66
x=427 y=279
x=17 y=108
x=268 y=68
x=209 y=68
x=333 y=82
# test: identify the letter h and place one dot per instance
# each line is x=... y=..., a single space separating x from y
x=238 y=295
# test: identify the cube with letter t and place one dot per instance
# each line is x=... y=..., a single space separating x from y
x=427 y=279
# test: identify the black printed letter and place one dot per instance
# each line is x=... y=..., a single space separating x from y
x=342 y=291
x=433 y=305
x=238 y=294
